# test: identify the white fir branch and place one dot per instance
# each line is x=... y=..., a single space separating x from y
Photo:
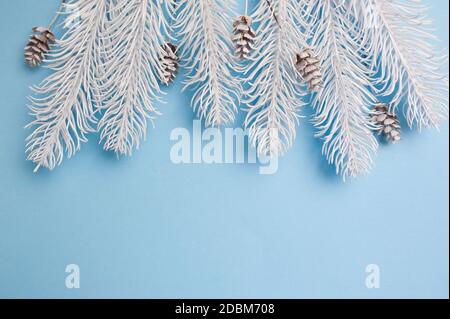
x=205 y=28
x=274 y=94
x=133 y=47
x=64 y=103
x=342 y=106
x=410 y=70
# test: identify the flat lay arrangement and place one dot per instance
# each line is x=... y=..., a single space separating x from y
x=365 y=66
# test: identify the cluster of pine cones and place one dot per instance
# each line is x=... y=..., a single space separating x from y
x=307 y=63
x=42 y=38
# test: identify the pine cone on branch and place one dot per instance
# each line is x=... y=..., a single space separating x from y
x=244 y=36
x=386 y=123
x=308 y=65
x=38 y=46
x=170 y=63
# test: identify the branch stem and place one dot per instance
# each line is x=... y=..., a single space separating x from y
x=273 y=12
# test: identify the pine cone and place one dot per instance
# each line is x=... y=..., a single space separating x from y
x=244 y=36
x=38 y=46
x=386 y=123
x=170 y=63
x=308 y=65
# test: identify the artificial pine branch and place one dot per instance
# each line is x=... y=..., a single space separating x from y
x=136 y=34
x=409 y=69
x=274 y=94
x=63 y=104
x=342 y=106
x=206 y=51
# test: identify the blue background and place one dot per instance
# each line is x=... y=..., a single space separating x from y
x=144 y=227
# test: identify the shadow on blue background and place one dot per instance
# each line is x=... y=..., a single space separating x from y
x=144 y=227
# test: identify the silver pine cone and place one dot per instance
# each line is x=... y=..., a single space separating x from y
x=170 y=63
x=308 y=65
x=38 y=46
x=244 y=36
x=386 y=123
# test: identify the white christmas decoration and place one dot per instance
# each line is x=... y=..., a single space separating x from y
x=409 y=67
x=206 y=51
x=274 y=96
x=134 y=38
x=342 y=106
x=64 y=103
x=361 y=61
